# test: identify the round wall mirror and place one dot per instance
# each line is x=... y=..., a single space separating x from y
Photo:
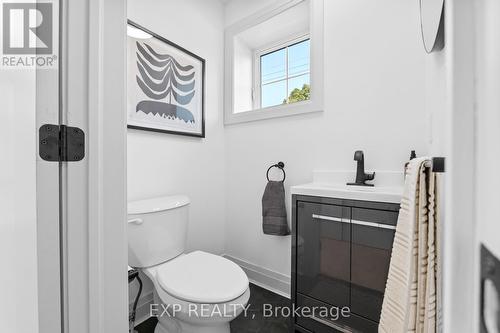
x=432 y=23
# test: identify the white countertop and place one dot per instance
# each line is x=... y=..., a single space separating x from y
x=333 y=185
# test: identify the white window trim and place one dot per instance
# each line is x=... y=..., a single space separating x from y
x=284 y=43
x=315 y=104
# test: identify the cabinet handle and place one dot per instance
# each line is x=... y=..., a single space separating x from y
x=373 y=225
x=356 y=222
x=330 y=324
x=329 y=218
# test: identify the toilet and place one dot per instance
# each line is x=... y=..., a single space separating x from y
x=195 y=292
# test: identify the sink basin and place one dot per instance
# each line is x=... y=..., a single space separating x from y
x=333 y=185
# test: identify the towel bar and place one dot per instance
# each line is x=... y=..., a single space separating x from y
x=436 y=164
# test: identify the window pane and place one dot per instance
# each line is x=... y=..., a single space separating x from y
x=273 y=94
x=273 y=66
x=299 y=89
x=298 y=58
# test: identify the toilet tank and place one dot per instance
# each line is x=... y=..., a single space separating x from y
x=157 y=230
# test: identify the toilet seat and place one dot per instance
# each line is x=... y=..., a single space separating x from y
x=201 y=277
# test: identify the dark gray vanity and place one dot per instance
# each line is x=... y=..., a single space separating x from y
x=341 y=251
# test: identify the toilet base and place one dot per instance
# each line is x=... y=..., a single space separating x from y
x=173 y=325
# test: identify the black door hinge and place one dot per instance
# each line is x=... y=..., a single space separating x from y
x=61 y=143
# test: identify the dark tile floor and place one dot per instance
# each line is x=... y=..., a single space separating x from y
x=147 y=326
x=254 y=322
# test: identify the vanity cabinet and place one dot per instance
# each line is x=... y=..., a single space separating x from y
x=341 y=251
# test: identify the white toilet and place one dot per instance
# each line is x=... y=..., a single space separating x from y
x=197 y=292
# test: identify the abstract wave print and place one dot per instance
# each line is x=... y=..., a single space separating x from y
x=169 y=84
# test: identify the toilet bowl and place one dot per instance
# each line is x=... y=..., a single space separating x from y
x=195 y=292
x=198 y=292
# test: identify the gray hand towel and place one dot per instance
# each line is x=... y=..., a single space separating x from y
x=274 y=220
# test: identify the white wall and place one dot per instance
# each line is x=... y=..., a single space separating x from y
x=435 y=101
x=375 y=101
x=238 y=9
x=163 y=164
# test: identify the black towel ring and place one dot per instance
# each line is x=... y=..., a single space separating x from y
x=279 y=165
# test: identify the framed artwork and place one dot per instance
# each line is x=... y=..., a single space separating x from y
x=165 y=85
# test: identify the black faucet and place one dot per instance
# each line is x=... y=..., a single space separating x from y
x=361 y=176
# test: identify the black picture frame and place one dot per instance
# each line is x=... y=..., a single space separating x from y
x=191 y=54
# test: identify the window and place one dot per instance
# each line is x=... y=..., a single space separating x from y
x=274 y=62
x=283 y=74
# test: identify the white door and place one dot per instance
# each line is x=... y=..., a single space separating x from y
x=29 y=186
x=63 y=245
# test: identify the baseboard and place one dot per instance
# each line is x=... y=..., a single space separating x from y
x=263 y=277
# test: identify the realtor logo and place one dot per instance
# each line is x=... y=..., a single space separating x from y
x=29 y=38
x=27 y=28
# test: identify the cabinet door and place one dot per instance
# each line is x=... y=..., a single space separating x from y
x=323 y=252
x=372 y=237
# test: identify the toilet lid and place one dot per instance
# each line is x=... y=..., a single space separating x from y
x=202 y=277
